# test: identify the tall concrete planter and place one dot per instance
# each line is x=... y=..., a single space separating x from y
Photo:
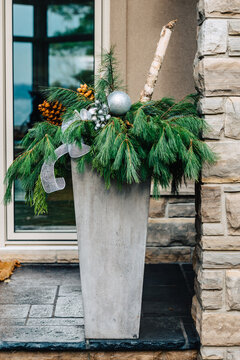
x=112 y=231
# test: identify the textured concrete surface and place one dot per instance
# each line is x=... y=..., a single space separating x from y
x=33 y=323
x=115 y=242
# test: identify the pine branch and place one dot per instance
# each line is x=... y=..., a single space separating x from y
x=158 y=139
x=66 y=97
x=108 y=79
x=39 y=199
x=39 y=144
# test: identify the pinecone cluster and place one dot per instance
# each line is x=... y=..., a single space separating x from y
x=85 y=91
x=52 y=112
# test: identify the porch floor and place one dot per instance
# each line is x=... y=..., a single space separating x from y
x=41 y=308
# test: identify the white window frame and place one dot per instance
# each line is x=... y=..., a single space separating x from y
x=10 y=240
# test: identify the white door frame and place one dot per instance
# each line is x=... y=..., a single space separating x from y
x=26 y=240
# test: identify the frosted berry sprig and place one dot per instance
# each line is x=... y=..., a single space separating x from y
x=100 y=114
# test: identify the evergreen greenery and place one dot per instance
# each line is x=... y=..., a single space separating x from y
x=159 y=139
x=108 y=79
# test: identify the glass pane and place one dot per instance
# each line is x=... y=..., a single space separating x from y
x=74 y=63
x=70 y=19
x=22 y=70
x=65 y=59
x=22 y=104
x=22 y=20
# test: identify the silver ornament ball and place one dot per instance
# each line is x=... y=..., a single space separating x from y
x=119 y=103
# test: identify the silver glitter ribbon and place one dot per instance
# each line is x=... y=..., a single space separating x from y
x=49 y=182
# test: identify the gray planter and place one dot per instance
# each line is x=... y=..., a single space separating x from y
x=112 y=231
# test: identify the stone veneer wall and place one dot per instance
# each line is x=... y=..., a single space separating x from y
x=91 y=355
x=171 y=227
x=216 y=306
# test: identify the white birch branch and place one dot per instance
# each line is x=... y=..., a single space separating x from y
x=156 y=65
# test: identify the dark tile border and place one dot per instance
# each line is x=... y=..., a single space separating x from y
x=98 y=345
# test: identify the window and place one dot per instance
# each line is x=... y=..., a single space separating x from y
x=53 y=44
x=48 y=42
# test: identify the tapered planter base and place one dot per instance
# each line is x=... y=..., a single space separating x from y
x=112 y=231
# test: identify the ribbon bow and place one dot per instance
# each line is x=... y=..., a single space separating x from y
x=49 y=182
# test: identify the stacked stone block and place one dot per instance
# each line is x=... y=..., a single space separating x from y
x=171 y=227
x=216 y=306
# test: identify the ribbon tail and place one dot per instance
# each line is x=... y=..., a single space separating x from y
x=49 y=182
x=76 y=152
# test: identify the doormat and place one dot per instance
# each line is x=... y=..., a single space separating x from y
x=7 y=268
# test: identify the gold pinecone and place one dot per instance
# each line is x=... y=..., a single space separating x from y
x=86 y=91
x=52 y=112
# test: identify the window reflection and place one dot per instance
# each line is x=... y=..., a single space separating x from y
x=23 y=28
x=53 y=45
x=22 y=59
x=74 y=64
x=70 y=19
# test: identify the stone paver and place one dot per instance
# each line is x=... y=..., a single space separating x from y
x=14 y=311
x=41 y=308
x=42 y=333
x=41 y=311
x=28 y=295
x=55 y=322
x=12 y=322
x=169 y=330
x=69 y=290
x=46 y=275
x=69 y=306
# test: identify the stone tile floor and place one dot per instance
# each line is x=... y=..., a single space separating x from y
x=41 y=308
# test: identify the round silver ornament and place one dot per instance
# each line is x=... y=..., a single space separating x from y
x=119 y=103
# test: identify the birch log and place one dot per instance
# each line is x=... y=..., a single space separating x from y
x=162 y=45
